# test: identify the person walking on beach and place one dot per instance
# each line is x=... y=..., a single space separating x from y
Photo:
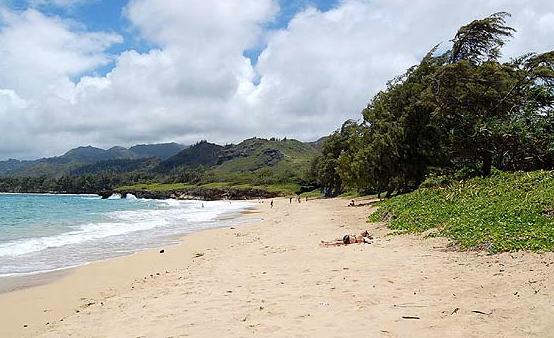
x=290 y=200
x=271 y=204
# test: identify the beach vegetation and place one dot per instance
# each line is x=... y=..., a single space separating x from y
x=501 y=212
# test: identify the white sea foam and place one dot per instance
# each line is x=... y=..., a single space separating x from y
x=189 y=214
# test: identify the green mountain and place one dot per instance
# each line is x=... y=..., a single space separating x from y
x=277 y=165
x=163 y=151
x=76 y=158
x=201 y=154
x=10 y=165
x=255 y=167
x=255 y=160
x=91 y=154
x=117 y=166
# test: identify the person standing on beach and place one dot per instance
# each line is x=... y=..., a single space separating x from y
x=290 y=200
x=271 y=204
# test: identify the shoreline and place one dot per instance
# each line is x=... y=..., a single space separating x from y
x=16 y=282
x=273 y=278
x=32 y=296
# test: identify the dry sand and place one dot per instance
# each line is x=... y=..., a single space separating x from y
x=272 y=278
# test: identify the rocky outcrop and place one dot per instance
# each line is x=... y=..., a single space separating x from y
x=199 y=193
x=269 y=158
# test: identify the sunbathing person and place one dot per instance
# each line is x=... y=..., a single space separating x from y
x=364 y=237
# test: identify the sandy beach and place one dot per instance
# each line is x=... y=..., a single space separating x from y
x=273 y=278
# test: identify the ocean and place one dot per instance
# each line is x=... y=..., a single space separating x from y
x=40 y=233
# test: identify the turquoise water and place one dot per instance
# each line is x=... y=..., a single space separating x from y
x=48 y=232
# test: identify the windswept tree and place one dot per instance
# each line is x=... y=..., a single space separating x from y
x=463 y=112
x=325 y=166
x=480 y=102
x=481 y=40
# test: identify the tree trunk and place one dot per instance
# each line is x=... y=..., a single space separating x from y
x=487 y=163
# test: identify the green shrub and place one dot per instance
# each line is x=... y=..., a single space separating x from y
x=504 y=212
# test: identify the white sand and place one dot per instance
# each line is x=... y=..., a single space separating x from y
x=272 y=278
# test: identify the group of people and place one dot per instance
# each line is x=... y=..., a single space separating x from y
x=297 y=199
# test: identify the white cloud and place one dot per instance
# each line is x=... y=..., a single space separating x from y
x=40 y=54
x=324 y=67
x=320 y=70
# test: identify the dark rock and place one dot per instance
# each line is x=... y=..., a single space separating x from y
x=269 y=158
x=202 y=193
x=105 y=194
x=162 y=251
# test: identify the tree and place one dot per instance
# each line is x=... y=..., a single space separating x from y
x=463 y=111
x=325 y=166
x=481 y=40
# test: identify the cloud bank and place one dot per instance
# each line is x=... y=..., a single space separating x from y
x=196 y=83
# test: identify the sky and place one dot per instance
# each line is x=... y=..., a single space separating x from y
x=124 y=72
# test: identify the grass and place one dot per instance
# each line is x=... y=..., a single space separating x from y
x=350 y=194
x=155 y=187
x=253 y=169
x=316 y=193
x=283 y=189
x=504 y=212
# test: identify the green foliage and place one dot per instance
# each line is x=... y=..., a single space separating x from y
x=281 y=189
x=462 y=113
x=325 y=168
x=316 y=193
x=504 y=212
x=91 y=160
x=481 y=40
x=276 y=165
x=202 y=153
x=116 y=166
x=157 y=187
x=260 y=161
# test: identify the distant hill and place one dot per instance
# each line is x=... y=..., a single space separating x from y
x=252 y=160
x=253 y=154
x=318 y=144
x=86 y=156
x=201 y=154
x=254 y=167
x=163 y=151
x=91 y=154
x=10 y=165
x=116 y=166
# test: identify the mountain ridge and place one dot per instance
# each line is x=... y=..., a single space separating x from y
x=254 y=158
x=86 y=155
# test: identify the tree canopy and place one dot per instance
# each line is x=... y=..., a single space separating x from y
x=462 y=112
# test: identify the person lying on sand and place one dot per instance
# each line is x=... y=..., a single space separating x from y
x=364 y=237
